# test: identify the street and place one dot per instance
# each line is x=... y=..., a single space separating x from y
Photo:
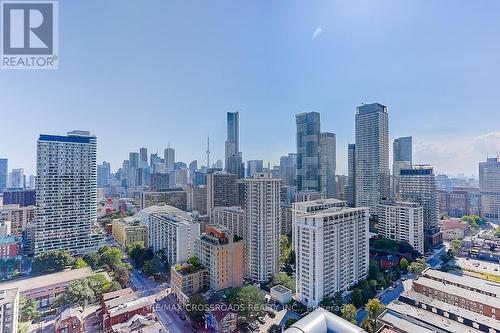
x=166 y=308
x=385 y=297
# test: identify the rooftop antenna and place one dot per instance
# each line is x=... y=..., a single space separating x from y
x=208 y=152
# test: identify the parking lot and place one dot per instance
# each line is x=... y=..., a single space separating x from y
x=479 y=265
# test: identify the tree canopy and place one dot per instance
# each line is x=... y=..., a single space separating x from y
x=52 y=261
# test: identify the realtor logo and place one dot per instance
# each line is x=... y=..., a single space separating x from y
x=29 y=34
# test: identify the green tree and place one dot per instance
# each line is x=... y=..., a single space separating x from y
x=357 y=297
x=289 y=322
x=151 y=267
x=79 y=292
x=456 y=245
x=274 y=329
x=196 y=308
x=249 y=300
x=92 y=259
x=403 y=263
x=373 y=308
x=349 y=313
x=417 y=266
x=111 y=258
x=79 y=263
x=373 y=270
x=27 y=309
x=284 y=250
x=51 y=261
x=139 y=254
x=284 y=280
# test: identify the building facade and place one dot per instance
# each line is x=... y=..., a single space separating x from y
x=222 y=190
x=372 y=155
x=331 y=248
x=234 y=158
x=351 y=175
x=174 y=235
x=328 y=164
x=9 y=310
x=221 y=252
x=263 y=226
x=175 y=197
x=66 y=193
x=489 y=185
x=402 y=222
x=308 y=138
x=418 y=184
x=129 y=230
x=402 y=157
x=232 y=218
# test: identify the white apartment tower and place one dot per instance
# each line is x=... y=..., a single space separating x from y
x=489 y=185
x=402 y=222
x=173 y=233
x=262 y=228
x=372 y=155
x=66 y=193
x=331 y=249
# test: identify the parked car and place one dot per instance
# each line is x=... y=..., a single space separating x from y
x=271 y=314
x=261 y=320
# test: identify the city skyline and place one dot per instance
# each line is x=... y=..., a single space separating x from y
x=318 y=62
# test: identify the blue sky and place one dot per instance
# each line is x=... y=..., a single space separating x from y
x=143 y=73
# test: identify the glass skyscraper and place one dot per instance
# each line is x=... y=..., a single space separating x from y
x=234 y=158
x=372 y=155
x=308 y=164
x=4 y=174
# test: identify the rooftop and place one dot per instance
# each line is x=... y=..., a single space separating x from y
x=42 y=281
x=8 y=295
x=466 y=280
x=415 y=320
x=464 y=313
x=457 y=291
x=281 y=289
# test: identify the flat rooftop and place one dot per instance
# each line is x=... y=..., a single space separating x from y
x=415 y=320
x=8 y=295
x=281 y=289
x=42 y=281
x=465 y=280
x=464 y=313
x=471 y=295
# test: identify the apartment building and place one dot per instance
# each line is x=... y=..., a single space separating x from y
x=9 y=310
x=232 y=218
x=18 y=216
x=129 y=230
x=221 y=252
x=262 y=226
x=174 y=234
x=175 y=197
x=402 y=222
x=331 y=248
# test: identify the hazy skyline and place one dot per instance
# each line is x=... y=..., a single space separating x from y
x=149 y=77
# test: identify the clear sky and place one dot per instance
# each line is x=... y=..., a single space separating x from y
x=143 y=73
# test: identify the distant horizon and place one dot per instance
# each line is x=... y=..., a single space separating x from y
x=172 y=73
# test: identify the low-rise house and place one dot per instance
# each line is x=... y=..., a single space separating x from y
x=69 y=321
x=140 y=324
x=222 y=319
x=119 y=306
x=454 y=229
